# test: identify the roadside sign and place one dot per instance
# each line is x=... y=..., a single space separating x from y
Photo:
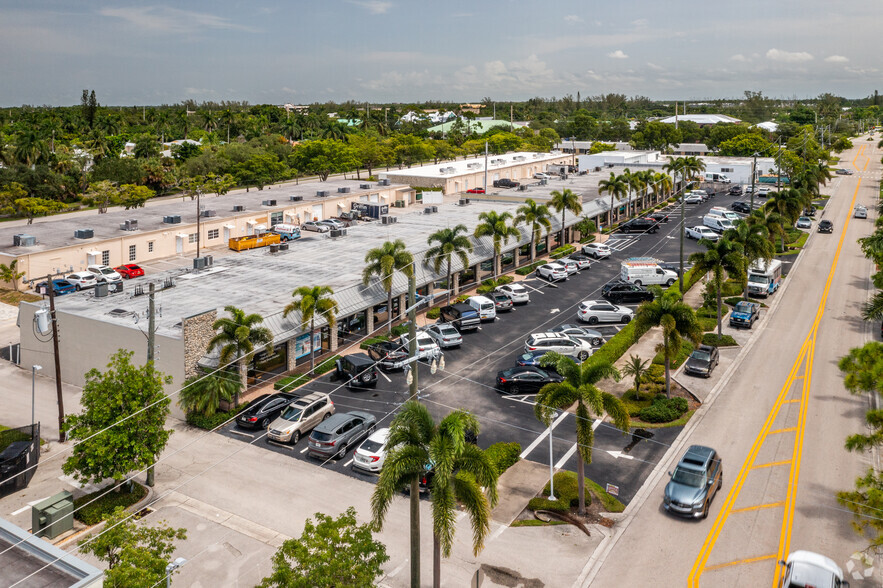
x=612 y=490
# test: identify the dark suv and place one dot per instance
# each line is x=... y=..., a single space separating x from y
x=387 y=354
x=358 y=370
x=505 y=183
x=640 y=225
x=461 y=315
x=624 y=292
x=694 y=483
x=735 y=191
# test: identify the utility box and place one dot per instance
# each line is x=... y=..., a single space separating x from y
x=53 y=516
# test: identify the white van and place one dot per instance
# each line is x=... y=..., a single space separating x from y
x=727 y=214
x=718 y=224
x=716 y=177
x=485 y=307
x=287 y=232
x=643 y=273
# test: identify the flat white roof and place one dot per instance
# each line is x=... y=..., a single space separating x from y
x=461 y=166
x=701 y=119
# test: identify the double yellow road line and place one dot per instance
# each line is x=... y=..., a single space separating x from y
x=801 y=369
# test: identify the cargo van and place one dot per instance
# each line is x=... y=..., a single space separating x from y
x=487 y=310
x=727 y=214
x=287 y=232
x=643 y=273
x=716 y=223
x=716 y=177
x=764 y=278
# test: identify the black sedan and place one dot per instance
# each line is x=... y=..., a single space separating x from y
x=702 y=361
x=826 y=226
x=660 y=217
x=624 y=292
x=742 y=207
x=387 y=354
x=525 y=380
x=264 y=409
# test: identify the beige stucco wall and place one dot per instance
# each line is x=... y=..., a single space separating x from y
x=95 y=341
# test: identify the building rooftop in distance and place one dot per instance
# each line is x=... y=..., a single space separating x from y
x=701 y=119
x=449 y=169
x=45 y=566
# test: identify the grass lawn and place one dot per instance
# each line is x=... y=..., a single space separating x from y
x=104 y=506
x=12 y=297
x=567 y=495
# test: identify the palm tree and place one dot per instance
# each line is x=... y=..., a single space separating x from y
x=615 y=186
x=580 y=387
x=494 y=224
x=565 y=200
x=450 y=243
x=209 y=122
x=771 y=221
x=637 y=368
x=537 y=217
x=675 y=167
x=227 y=118
x=677 y=320
x=872 y=246
x=237 y=339
x=719 y=257
x=203 y=394
x=755 y=243
x=10 y=273
x=460 y=470
x=787 y=206
x=311 y=301
x=383 y=262
x=662 y=185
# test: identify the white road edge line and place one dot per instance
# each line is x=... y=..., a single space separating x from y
x=28 y=505
x=543 y=435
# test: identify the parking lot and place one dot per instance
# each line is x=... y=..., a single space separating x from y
x=467 y=382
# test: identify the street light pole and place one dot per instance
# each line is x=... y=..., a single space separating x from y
x=753 y=175
x=170 y=569
x=34 y=369
x=552 y=418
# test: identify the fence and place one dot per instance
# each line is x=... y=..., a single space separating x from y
x=11 y=352
x=19 y=450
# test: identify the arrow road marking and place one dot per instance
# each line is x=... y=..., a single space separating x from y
x=554 y=310
x=618 y=454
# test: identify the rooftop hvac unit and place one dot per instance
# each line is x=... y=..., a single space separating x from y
x=364 y=186
x=467 y=200
x=172 y=219
x=338 y=232
x=283 y=246
x=207 y=213
x=427 y=210
x=209 y=260
x=101 y=289
x=543 y=182
x=268 y=203
x=238 y=208
x=274 y=247
x=462 y=202
x=523 y=187
x=22 y=240
x=199 y=263
x=295 y=198
x=383 y=182
x=435 y=209
x=388 y=220
x=518 y=158
x=321 y=193
x=129 y=225
x=84 y=234
x=344 y=190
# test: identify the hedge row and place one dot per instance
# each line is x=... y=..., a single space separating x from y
x=503 y=455
x=210 y=422
x=95 y=512
x=488 y=285
x=715 y=341
x=529 y=269
x=664 y=410
x=562 y=251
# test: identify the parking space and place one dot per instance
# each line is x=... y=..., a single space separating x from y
x=468 y=380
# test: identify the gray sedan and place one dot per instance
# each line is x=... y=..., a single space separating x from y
x=445 y=335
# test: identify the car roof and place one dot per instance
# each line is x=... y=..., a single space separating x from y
x=697 y=455
x=359 y=358
x=309 y=399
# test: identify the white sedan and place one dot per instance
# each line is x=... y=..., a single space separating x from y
x=601 y=311
x=552 y=272
x=701 y=232
x=542 y=176
x=597 y=250
x=82 y=280
x=315 y=226
x=517 y=293
x=581 y=262
x=371 y=454
x=445 y=335
x=105 y=273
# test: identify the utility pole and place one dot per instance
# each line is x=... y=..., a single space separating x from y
x=412 y=334
x=753 y=175
x=50 y=286
x=198 y=215
x=151 y=340
x=485 y=166
x=683 y=217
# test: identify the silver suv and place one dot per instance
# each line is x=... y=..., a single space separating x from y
x=694 y=483
x=301 y=417
x=579 y=349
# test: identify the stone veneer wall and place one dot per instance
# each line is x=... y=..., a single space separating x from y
x=197 y=332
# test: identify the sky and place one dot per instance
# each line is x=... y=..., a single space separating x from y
x=154 y=52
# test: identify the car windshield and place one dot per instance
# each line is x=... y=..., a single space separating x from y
x=106 y=270
x=756 y=279
x=691 y=478
x=292 y=414
x=372 y=446
x=701 y=355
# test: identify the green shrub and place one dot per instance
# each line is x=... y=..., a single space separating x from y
x=488 y=285
x=400 y=330
x=664 y=410
x=679 y=358
x=567 y=494
x=707 y=312
x=289 y=383
x=433 y=313
x=707 y=323
x=614 y=348
x=367 y=342
x=529 y=269
x=734 y=300
x=210 y=422
x=103 y=507
x=503 y=455
x=588 y=239
x=714 y=340
x=462 y=298
x=562 y=251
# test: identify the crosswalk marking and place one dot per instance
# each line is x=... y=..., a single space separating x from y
x=620 y=243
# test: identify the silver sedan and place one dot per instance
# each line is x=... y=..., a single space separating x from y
x=445 y=335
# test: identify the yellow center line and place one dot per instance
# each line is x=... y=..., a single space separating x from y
x=760 y=507
x=806 y=353
x=793 y=400
x=773 y=464
x=740 y=562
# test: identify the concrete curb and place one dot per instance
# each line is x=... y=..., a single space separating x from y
x=593 y=565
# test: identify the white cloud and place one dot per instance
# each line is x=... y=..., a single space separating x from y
x=640 y=23
x=374 y=6
x=654 y=66
x=170 y=20
x=836 y=59
x=573 y=18
x=788 y=56
x=618 y=54
x=738 y=57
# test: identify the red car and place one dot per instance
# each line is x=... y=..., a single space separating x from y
x=129 y=271
x=475 y=191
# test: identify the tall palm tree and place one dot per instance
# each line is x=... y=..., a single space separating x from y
x=755 y=243
x=310 y=301
x=460 y=470
x=662 y=185
x=675 y=167
x=227 y=118
x=565 y=200
x=616 y=187
x=580 y=387
x=209 y=122
x=637 y=368
x=677 y=320
x=450 y=243
x=383 y=262
x=237 y=338
x=788 y=207
x=720 y=257
x=773 y=222
x=203 y=394
x=537 y=217
x=494 y=224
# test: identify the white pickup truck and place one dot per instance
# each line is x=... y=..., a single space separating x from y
x=701 y=232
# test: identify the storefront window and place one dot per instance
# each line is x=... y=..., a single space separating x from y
x=264 y=366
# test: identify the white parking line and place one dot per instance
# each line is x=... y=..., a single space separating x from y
x=347 y=464
x=543 y=435
x=27 y=506
x=304 y=450
x=235 y=432
x=573 y=448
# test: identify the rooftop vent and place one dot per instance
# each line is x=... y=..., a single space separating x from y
x=321 y=193
x=120 y=312
x=268 y=203
x=207 y=213
x=173 y=219
x=519 y=158
x=84 y=234
x=295 y=198
x=22 y=240
x=238 y=208
x=364 y=186
x=344 y=190
x=473 y=165
x=383 y=182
